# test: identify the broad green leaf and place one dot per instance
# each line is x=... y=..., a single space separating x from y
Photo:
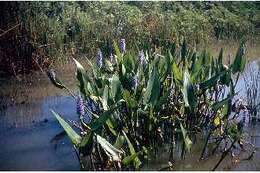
x=86 y=139
x=119 y=141
x=153 y=88
x=211 y=82
x=82 y=77
x=187 y=141
x=188 y=91
x=240 y=61
x=226 y=78
x=196 y=68
x=105 y=98
x=109 y=148
x=128 y=159
x=177 y=73
x=130 y=101
x=74 y=137
x=86 y=144
x=167 y=67
x=115 y=87
x=216 y=106
x=128 y=62
x=163 y=100
x=111 y=125
x=97 y=123
x=220 y=57
x=118 y=53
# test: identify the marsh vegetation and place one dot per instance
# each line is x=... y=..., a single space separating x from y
x=141 y=85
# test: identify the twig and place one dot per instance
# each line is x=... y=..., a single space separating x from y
x=250 y=156
x=9 y=29
x=38 y=64
x=223 y=156
x=205 y=145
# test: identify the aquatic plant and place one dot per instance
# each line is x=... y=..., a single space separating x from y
x=134 y=110
x=100 y=60
x=123 y=45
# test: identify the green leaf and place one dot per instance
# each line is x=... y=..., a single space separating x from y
x=188 y=91
x=119 y=141
x=196 y=68
x=105 y=98
x=111 y=125
x=82 y=77
x=187 y=141
x=130 y=101
x=137 y=161
x=115 y=87
x=167 y=67
x=220 y=57
x=163 y=100
x=226 y=78
x=240 y=61
x=211 y=82
x=86 y=139
x=86 y=144
x=109 y=148
x=118 y=53
x=216 y=106
x=102 y=119
x=177 y=73
x=74 y=137
x=153 y=87
x=128 y=159
x=95 y=125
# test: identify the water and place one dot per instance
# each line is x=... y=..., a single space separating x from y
x=27 y=127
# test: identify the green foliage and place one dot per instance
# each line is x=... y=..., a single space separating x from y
x=75 y=138
x=142 y=104
x=59 y=30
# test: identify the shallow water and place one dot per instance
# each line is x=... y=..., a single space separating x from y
x=27 y=127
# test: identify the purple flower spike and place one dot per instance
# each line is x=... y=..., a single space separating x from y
x=100 y=59
x=122 y=45
x=80 y=106
x=141 y=58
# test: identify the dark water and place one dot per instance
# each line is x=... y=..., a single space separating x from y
x=27 y=127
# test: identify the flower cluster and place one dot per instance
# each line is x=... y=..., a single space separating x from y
x=80 y=106
x=141 y=58
x=122 y=45
x=100 y=59
x=86 y=108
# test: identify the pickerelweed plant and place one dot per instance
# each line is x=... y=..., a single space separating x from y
x=131 y=104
